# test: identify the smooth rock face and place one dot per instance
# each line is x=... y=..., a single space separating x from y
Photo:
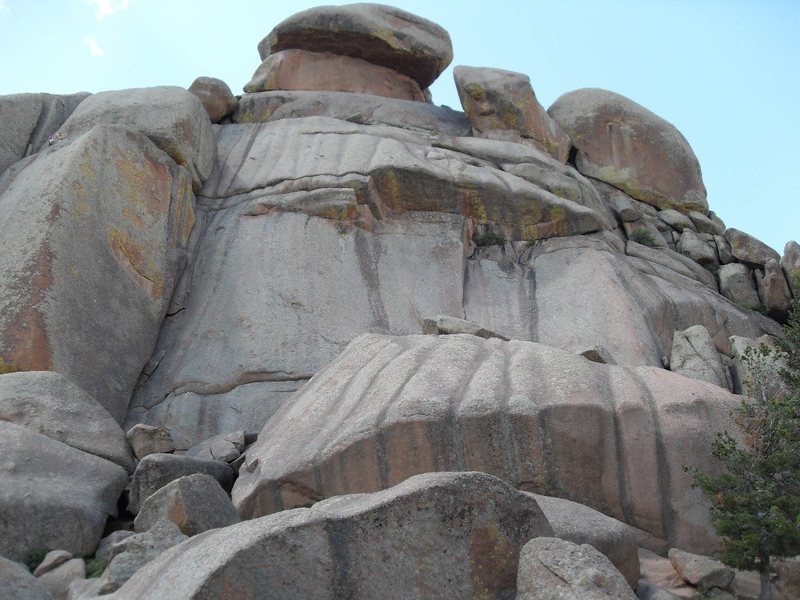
x=613 y=438
x=105 y=218
x=28 y=120
x=146 y=439
x=157 y=470
x=366 y=109
x=323 y=71
x=215 y=96
x=50 y=404
x=748 y=249
x=694 y=355
x=16 y=583
x=173 y=118
x=582 y=525
x=379 y=34
x=501 y=104
x=195 y=503
x=52 y=495
x=554 y=569
x=700 y=570
x=626 y=145
x=458 y=533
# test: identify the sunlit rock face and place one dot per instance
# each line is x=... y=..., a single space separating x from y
x=376 y=288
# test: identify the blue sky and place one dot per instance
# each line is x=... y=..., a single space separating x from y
x=724 y=72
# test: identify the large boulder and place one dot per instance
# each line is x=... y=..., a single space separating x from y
x=92 y=238
x=157 y=470
x=626 y=145
x=501 y=104
x=447 y=535
x=51 y=404
x=790 y=262
x=28 y=120
x=16 y=583
x=323 y=71
x=694 y=355
x=52 y=495
x=380 y=34
x=555 y=569
x=613 y=438
x=215 y=96
x=580 y=524
x=172 y=117
x=747 y=249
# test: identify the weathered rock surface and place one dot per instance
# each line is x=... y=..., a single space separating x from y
x=215 y=96
x=157 y=470
x=502 y=105
x=736 y=283
x=146 y=439
x=747 y=249
x=28 y=120
x=323 y=71
x=774 y=291
x=612 y=438
x=555 y=569
x=136 y=551
x=700 y=570
x=626 y=145
x=580 y=524
x=365 y=109
x=225 y=447
x=52 y=559
x=105 y=218
x=108 y=547
x=171 y=117
x=458 y=533
x=790 y=262
x=16 y=583
x=52 y=495
x=51 y=404
x=447 y=325
x=696 y=248
x=382 y=35
x=195 y=503
x=694 y=355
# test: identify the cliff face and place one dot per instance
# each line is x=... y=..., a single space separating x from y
x=273 y=274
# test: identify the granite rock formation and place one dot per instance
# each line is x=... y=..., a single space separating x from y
x=343 y=300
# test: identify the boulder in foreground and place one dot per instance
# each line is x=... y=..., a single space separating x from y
x=442 y=535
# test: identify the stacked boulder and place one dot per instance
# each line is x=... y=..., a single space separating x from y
x=374 y=328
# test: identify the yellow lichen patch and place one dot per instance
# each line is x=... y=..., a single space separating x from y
x=145 y=186
x=134 y=257
x=493 y=563
x=85 y=166
x=472 y=205
x=9 y=367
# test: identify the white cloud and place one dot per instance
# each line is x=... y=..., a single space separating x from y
x=105 y=8
x=94 y=49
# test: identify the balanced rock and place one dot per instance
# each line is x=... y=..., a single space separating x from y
x=51 y=404
x=379 y=34
x=501 y=104
x=448 y=535
x=749 y=250
x=157 y=470
x=52 y=495
x=303 y=70
x=27 y=121
x=555 y=569
x=626 y=145
x=147 y=439
x=171 y=117
x=105 y=217
x=195 y=503
x=215 y=96
x=540 y=418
